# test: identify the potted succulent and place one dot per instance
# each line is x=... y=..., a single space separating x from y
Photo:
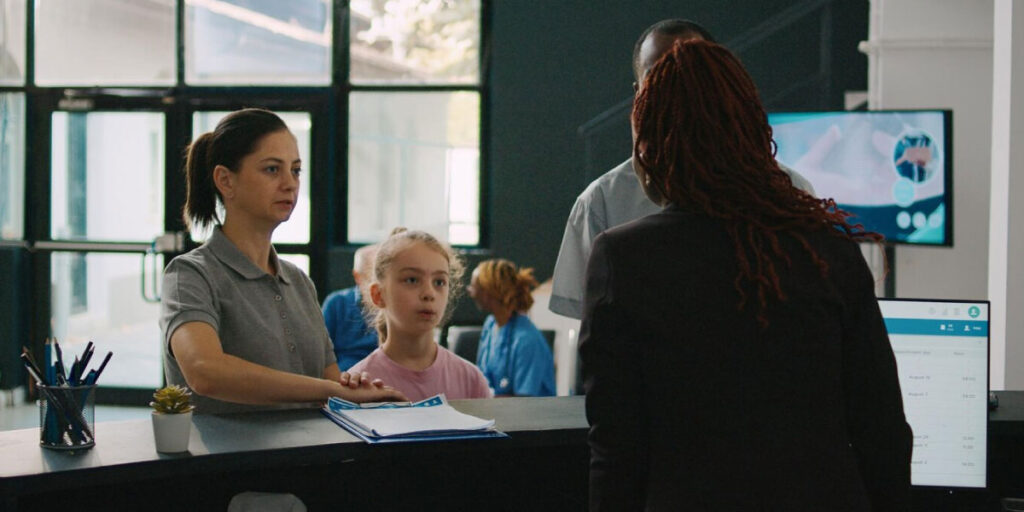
x=172 y=418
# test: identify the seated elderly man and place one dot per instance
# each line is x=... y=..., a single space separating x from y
x=343 y=312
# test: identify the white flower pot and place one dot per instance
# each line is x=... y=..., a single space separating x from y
x=171 y=431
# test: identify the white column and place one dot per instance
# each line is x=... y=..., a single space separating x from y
x=938 y=54
x=1006 y=236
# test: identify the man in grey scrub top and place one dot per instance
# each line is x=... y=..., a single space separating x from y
x=616 y=197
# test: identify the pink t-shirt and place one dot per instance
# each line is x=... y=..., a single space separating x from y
x=450 y=374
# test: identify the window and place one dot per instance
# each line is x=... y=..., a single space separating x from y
x=414 y=119
x=105 y=42
x=387 y=120
x=239 y=42
x=418 y=42
x=12 y=165
x=414 y=160
x=12 y=42
x=95 y=297
x=104 y=165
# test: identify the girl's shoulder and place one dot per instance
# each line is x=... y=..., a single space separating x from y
x=471 y=380
x=452 y=362
x=372 y=360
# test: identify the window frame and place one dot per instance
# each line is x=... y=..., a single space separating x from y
x=341 y=71
x=327 y=105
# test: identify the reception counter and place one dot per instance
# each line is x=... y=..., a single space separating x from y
x=542 y=465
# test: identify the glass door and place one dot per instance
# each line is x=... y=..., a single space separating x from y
x=106 y=209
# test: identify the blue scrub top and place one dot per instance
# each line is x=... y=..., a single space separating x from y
x=353 y=340
x=518 y=362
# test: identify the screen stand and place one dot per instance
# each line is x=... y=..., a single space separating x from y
x=890 y=276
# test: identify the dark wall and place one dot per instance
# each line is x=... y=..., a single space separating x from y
x=555 y=65
x=14 y=315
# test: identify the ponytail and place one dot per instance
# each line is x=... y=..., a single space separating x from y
x=510 y=285
x=200 y=195
x=525 y=283
x=235 y=137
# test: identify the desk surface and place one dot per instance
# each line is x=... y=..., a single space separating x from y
x=220 y=442
x=544 y=433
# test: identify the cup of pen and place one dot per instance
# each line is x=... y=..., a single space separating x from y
x=67 y=416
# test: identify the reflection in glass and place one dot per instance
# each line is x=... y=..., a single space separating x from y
x=296 y=229
x=246 y=42
x=98 y=297
x=12 y=42
x=414 y=161
x=12 y=165
x=403 y=41
x=107 y=172
x=105 y=42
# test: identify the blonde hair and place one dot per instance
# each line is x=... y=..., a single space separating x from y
x=510 y=285
x=399 y=240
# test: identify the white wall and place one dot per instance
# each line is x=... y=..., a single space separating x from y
x=938 y=54
x=1006 y=272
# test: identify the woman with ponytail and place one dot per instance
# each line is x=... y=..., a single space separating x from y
x=734 y=355
x=242 y=328
x=513 y=354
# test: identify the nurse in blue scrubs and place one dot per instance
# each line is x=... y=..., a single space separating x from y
x=513 y=354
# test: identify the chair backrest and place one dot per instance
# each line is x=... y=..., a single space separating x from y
x=549 y=335
x=464 y=341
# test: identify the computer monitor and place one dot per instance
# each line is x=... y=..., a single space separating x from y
x=941 y=350
x=892 y=169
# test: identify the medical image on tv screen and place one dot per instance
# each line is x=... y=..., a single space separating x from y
x=887 y=168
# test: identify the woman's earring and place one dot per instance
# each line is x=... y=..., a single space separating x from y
x=647 y=180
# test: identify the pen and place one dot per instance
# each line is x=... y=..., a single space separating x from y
x=75 y=370
x=56 y=408
x=87 y=355
x=60 y=364
x=30 y=363
x=33 y=370
x=102 y=366
x=48 y=357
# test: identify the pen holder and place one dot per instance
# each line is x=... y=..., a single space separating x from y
x=67 y=417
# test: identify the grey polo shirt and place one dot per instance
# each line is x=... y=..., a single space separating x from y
x=611 y=200
x=274 y=321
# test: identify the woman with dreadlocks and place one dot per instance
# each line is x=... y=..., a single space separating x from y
x=734 y=354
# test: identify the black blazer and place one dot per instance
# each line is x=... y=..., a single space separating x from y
x=693 y=407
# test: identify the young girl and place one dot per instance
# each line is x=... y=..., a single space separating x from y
x=513 y=354
x=415 y=281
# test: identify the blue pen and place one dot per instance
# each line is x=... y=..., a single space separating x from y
x=48 y=353
x=87 y=355
x=75 y=371
x=60 y=364
x=102 y=366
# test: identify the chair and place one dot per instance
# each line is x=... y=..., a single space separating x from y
x=549 y=336
x=464 y=341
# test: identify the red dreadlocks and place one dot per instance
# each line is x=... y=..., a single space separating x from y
x=702 y=137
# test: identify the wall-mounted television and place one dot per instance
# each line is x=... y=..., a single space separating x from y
x=892 y=169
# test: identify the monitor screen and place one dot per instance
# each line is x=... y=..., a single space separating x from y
x=891 y=169
x=941 y=350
